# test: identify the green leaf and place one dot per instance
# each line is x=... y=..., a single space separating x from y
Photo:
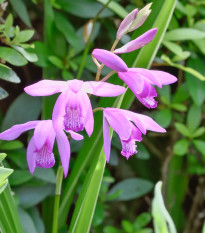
x=180 y=34
x=8 y=74
x=47 y=175
x=131 y=188
x=11 y=145
x=20 y=8
x=199 y=132
x=20 y=177
x=181 y=94
x=23 y=36
x=115 y=7
x=189 y=70
x=142 y=220
x=12 y=56
x=56 y=61
x=4 y=173
x=111 y=229
x=194 y=117
x=32 y=57
x=3 y=93
x=2 y=157
x=164 y=117
x=162 y=219
x=179 y=107
x=196 y=87
x=83 y=9
x=24 y=108
x=181 y=128
x=3 y=185
x=200 y=146
x=42 y=52
x=8 y=23
x=127 y=226
x=181 y=147
x=98 y=215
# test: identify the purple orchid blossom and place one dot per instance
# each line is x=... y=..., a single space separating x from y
x=40 y=147
x=73 y=110
x=121 y=122
x=139 y=80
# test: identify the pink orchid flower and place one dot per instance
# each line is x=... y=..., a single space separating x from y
x=40 y=147
x=121 y=122
x=73 y=110
x=139 y=80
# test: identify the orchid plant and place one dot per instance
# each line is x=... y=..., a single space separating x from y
x=73 y=112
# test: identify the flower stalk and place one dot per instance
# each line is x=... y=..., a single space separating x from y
x=59 y=180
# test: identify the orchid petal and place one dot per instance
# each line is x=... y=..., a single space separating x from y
x=103 y=89
x=31 y=157
x=164 y=77
x=138 y=42
x=148 y=75
x=133 y=81
x=59 y=111
x=64 y=150
x=75 y=136
x=45 y=87
x=106 y=138
x=87 y=112
x=120 y=124
x=16 y=130
x=126 y=23
x=110 y=59
x=43 y=133
x=75 y=85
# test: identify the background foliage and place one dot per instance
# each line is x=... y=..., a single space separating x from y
x=51 y=39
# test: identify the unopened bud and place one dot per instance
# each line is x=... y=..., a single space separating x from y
x=87 y=30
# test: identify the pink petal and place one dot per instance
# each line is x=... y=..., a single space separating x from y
x=148 y=75
x=75 y=136
x=31 y=157
x=59 y=111
x=106 y=138
x=87 y=112
x=138 y=42
x=16 y=130
x=43 y=133
x=164 y=77
x=126 y=23
x=120 y=124
x=64 y=151
x=133 y=81
x=110 y=60
x=75 y=85
x=103 y=89
x=45 y=87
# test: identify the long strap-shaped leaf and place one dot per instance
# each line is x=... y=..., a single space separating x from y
x=9 y=218
x=162 y=12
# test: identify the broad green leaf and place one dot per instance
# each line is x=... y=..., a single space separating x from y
x=181 y=94
x=32 y=57
x=20 y=177
x=189 y=70
x=200 y=25
x=184 y=34
x=177 y=49
x=3 y=185
x=56 y=61
x=2 y=157
x=127 y=226
x=47 y=175
x=83 y=9
x=20 y=8
x=181 y=147
x=161 y=10
x=142 y=152
x=200 y=45
x=64 y=26
x=115 y=7
x=42 y=52
x=162 y=220
x=131 y=188
x=142 y=220
x=9 y=216
x=37 y=220
x=181 y=128
x=8 y=23
x=4 y=173
x=98 y=215
x=24 y=108
x=3 y=93
x=194 y=117
x=196 y=87
x=23 y=36
x=200 y=146
x=111 y=229
x=179 y=107
x=11 y=145
x=199 y=132
x=12 y=56
x=8 y=74
x=164 y=117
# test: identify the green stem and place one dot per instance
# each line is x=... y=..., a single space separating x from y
x=59 y=179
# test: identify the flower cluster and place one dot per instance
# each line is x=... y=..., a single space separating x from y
x=73 y=112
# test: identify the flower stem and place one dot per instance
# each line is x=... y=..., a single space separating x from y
x=59 y=179
x=98 y=109
x=108 y=76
